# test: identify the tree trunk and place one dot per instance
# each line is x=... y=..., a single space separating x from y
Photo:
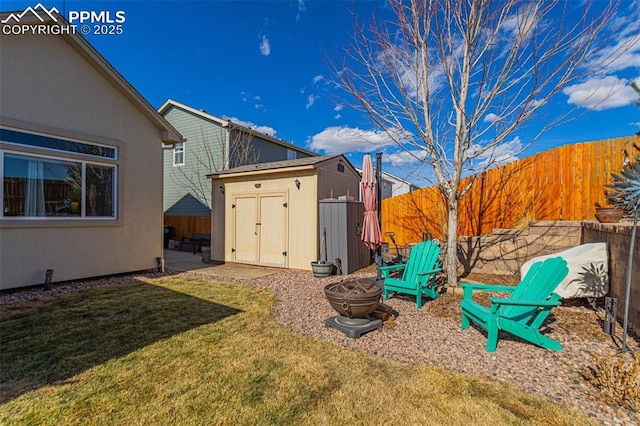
x=452 y=243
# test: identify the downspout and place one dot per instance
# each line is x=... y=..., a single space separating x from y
x=227 y=146
x=160 y=260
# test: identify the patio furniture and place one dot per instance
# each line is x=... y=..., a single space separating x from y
x=523 y=313
x=195 y=242
x=588 y=271
x=419 y=273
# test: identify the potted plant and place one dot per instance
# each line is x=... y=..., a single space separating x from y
x=322 y=268
x=625 y=194
x=610 y=213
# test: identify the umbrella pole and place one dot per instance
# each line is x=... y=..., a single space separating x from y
x=378 y=255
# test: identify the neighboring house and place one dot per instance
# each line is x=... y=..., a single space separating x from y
x=213 y=145
x=267 y=214
x=399 y=186
x=80 y=159
x=393 y=185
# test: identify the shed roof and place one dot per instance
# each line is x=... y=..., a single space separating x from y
x=306 y=163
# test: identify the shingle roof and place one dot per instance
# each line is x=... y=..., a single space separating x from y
x=225 y=122
x=284 y=164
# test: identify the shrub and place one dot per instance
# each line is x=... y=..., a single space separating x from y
x=616 y=378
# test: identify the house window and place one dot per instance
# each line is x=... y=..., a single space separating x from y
x=48 y=142
x=178 y=154
x=54 y=186
x=291 y=155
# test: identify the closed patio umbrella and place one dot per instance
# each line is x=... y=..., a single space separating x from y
x=371 y=235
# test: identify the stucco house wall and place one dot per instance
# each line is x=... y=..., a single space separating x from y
x=60 y=86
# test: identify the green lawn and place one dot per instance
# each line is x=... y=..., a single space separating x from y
x=187 y=351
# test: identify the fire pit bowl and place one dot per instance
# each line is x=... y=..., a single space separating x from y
x=355 y=297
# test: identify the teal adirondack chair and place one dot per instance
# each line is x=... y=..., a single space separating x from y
x=419 y=273
x=525 y=310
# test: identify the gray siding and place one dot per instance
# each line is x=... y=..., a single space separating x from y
x=204 y=153
x=269 y=151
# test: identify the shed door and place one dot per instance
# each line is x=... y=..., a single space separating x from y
x=260 y=232
x=246 y=229
x=273 y=230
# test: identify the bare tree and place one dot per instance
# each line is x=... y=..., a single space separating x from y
x=213 y=154
x=449 y=81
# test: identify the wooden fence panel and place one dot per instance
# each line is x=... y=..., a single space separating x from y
x=563 y=183
x=186 y=226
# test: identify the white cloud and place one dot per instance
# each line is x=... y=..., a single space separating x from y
x=398 y=61
x=402 y=158
x=624 y=54
x=338 y=107
x=256 y=98
x=318 y=78
x=311 y=99
x=265 y=47
x=495 y=156
x=303 y=90
x=601 y=93
x=521 y=24
x=337 y=116
x=301 y=9
x=262 y=129
x=491 y=118
x=340 y=139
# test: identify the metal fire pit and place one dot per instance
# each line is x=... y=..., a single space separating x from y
x=354 y=300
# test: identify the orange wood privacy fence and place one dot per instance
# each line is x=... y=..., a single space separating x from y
x=186 y=226
x=564 y=183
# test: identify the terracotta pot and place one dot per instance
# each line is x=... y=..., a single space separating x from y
x=608 y=214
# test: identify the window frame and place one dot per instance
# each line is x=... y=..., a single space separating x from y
x=13 y=148
x=291 y=151
x=175 y=152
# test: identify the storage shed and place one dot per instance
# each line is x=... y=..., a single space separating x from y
x=267 y=214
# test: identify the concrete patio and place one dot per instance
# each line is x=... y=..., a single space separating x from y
x=186 y=261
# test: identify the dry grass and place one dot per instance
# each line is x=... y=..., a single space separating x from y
x=186 y=351
x=617 y=379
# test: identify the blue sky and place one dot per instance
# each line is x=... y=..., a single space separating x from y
x=266 y=63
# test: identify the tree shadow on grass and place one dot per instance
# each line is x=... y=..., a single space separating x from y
x=45 y=341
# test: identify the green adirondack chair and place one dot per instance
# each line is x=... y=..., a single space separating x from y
x=524 y=311
x=419 y=273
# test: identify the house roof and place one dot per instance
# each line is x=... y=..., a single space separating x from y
x=223 y=122
x=391 y=178
x=307 y=163
x=188 y=206
x=169 y=134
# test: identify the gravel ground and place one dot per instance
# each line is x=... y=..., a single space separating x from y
x=432 y=336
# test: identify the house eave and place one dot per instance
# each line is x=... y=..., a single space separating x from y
x=168 y=134
x=164 y=108
x=261 y=172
